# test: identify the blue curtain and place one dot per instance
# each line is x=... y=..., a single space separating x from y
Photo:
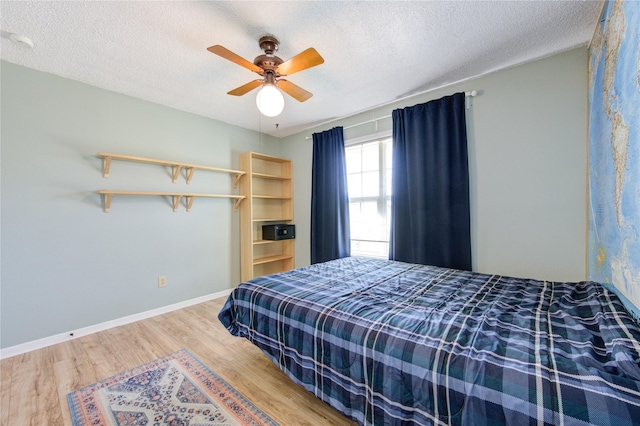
x=330 y=236
x=430 y=215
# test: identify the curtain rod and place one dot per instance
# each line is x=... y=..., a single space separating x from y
x=469 y=94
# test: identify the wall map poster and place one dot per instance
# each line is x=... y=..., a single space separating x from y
x=614 y=149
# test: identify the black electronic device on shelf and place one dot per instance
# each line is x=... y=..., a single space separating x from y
x=278 y=232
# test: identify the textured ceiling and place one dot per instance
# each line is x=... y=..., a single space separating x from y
x=374 y=52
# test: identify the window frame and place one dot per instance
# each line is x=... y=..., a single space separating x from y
x=381 y=201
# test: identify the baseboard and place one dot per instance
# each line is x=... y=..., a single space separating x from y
x=70 y=335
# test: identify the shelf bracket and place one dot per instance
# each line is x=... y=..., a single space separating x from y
x=190 y=171
x=106 y=165
x=107 y=202
x=189 y=202
x=176 y=202
x=176 y=172
x=236 y=203
x=236 y=179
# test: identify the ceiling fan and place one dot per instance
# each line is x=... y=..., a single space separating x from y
x=271 y=68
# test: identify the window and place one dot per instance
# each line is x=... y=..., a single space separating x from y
x=369 y=183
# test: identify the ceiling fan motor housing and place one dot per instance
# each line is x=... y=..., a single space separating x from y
x=268 y=61
x=269 y=44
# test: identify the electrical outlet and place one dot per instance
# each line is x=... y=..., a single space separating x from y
x=162 y=281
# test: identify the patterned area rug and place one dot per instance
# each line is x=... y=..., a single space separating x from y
x=177 y=390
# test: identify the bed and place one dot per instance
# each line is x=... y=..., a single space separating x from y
x=391 y=343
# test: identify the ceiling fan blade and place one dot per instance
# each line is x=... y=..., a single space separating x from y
x=295 y=91
x=246 y=88
x=227 y=54
x=307 y=59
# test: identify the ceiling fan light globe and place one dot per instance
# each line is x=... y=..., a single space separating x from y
x=270 y=101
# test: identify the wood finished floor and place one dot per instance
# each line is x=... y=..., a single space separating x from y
x=34 y=385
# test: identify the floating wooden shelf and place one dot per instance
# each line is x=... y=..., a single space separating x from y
x=176 y=196
x=176 y=167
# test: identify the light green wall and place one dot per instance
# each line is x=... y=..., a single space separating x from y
x=527 y=133
x=65 y=263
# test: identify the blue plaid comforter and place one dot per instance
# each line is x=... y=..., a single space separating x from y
x=391 y=343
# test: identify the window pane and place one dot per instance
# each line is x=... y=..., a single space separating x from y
x=387 y=164
x=354 y=210
x=388 y=145
x=353 y=156
x=370 y=184
x=360 y=222
x=388 y=219
x=367 y=223
x=354 y=185
x=355 y=216
x=370 y=157
x=370 y=249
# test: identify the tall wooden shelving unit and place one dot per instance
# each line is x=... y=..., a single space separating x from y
x=268 y=189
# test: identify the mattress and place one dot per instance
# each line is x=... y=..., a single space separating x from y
x=392 y=343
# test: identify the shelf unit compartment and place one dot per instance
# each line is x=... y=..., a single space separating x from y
x=270 y=208
x=270 y=167
x=257 y=230
x=257 y=227
x=273 y=267
x=277 y=250
x=270 y=187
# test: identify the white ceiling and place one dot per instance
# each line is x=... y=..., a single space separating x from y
x=374 y=52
